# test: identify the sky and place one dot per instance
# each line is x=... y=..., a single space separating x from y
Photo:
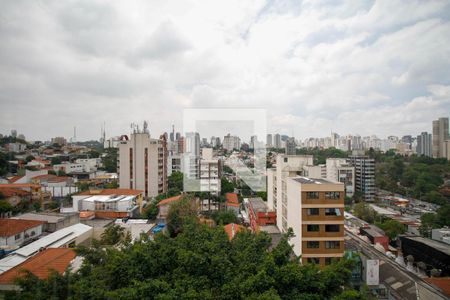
x=352 y=67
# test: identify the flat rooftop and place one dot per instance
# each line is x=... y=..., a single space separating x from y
x=306 y=180
x=443 y=247
x=258 y=204
x=111 y=198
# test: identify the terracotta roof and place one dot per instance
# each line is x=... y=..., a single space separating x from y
x=169 y=200
x=57 y=259
x=441 y=282
x=231 y=229
x=87 y=214
x=10 y=227
x=44 y=176
x=112 y=192
x=59 y=179
x=232 y=199
x=15 y=178
x=9 y=192
x=19 y=185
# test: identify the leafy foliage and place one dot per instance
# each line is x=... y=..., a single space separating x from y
x=364 y=211
x=392 y=228
x=112 y=235
x=439 y=219
x=224 y=217
x=199 y=263
x=226 y=186
x=109 y=160
x=321 y=155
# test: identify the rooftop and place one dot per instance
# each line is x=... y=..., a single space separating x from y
x=232 y=199
x=45 y=217
x=169 y=200
x=305 y=180
x=232 y=229
x=111 y=192
x=57 y=259
x=10 y=227
x=9 y=192
x=443 y=247
x=258 y=204
x=109 y=198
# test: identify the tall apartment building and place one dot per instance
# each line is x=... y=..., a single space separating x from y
x=277 y=141
x=210 y=172
x=191 y=156
x=286 y=166
x=340 y=170
x=314 y=209
x=440 y=135
x=142 y=163
x=269 y=143
x=290 y=146
x=424 y=144
x=364 y=175
x=231 y=142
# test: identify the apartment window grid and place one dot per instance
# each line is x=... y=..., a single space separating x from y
x=312 y=228
x=332 y=195
x=312 y=211
x=332 y=244
x=312 y=195
x=131 y=168
x=146 y=171
x=332 y=228
x=312 y=244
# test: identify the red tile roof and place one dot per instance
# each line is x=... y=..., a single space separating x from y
x=10 y=227
x=19 y=185
x=169 y=200
x=14 y=178
x=57 y=259
x=232 y=229
x=232 y=199
x=441 y=282
x=9 y=192
x=111 y=192
x=44 y=176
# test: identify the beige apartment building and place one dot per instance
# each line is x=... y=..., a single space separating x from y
x=142 y=163
x=315 y=212
x=439 y=138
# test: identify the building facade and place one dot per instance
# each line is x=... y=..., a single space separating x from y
x=424 y=144
x=364 y=176
x=314 y=209
x=142 y=164
x=339 y=170
x=440 y=135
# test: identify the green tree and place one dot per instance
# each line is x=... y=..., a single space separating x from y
x=175 y=181
x=365 y=212
x=5 y=206
x=180 y=212
x=29 y=158
x=224 y=217
x=56 y=161
x=112 y=235
x=37 y=206
x=226 y=186
x=392 y=228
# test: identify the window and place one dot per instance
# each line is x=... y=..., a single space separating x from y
x=313 y=260
x=286 y=159
x=312 y=195
x=332 y=244
x=18 y=236
x=312 y=244
x=332 y=195
x=328 y=260
x=332 y=228
x=312 y=211
x=332 y=212
x=312 y=228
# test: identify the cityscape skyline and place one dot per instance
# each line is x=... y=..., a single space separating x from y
x=316 y=67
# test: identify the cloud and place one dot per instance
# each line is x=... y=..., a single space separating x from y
x=363 y=67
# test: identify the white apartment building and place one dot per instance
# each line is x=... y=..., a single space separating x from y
x=339 y=170
x=286 y=166
x=210 y=172
x=319 y=171
x=142 y=164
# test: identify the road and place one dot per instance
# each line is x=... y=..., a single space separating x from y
x=402 y=283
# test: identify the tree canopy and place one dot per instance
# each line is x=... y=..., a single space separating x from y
x=198 y=263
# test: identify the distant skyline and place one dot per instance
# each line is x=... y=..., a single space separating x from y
x=366 y=67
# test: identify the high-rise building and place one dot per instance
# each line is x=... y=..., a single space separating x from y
x=364 y=175
x=14 y=133
x=339 y=170
x=191 y=155
x=210 y=172
x=315 y=212
x=277 y=141
x=440 y=135
x=231 y=142
x=424 y=144
x=142 y=163
x=253 y=141
x=285 y=166
x=290 y=146
x=269 y=143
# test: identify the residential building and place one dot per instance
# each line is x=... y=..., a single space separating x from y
x=174 y=163
x=232 y=203
x=285 y=166
x=14 y=233
x=260 y=214
x=210 y=172
x=51 y=221
x=269 y=142
x=441 y=234
x=340 y=170
x=277 y=141
x=16 y=147
x=290 y=146
x=424 y=144
x=314 y=209
x=191 y=155
x=231 y=142
x=364 y=176
x=109 y=203
x=164 y=205
x=41 y=265
x=375 y=235
x=319 y=171
x=440 y=135
x=142 y=164
x=232 y=229
x=59 y=140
